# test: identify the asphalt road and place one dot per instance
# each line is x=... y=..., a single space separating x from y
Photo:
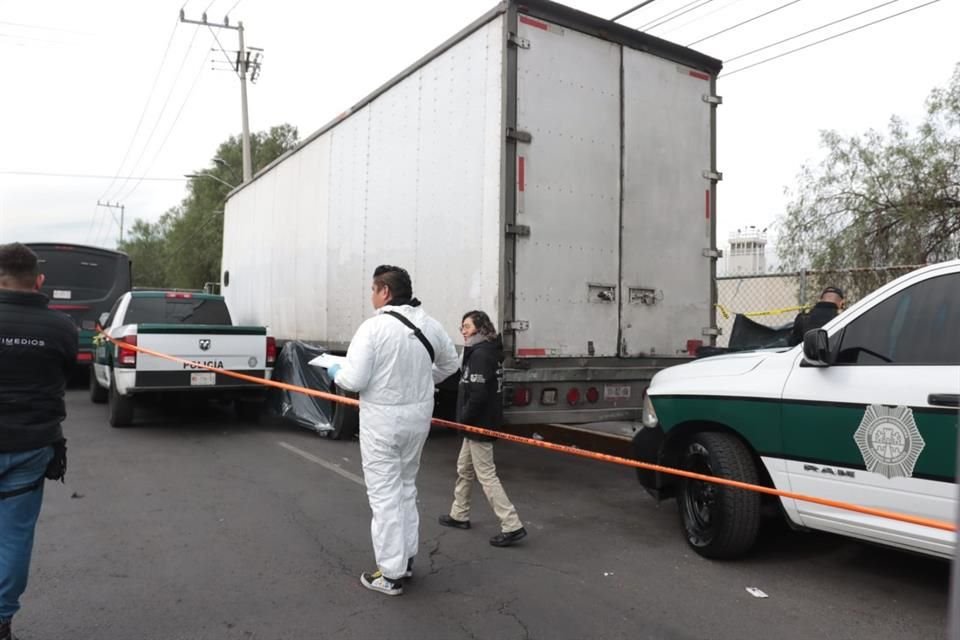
x=192 y=526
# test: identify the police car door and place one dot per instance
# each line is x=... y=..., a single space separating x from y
x=877 y=428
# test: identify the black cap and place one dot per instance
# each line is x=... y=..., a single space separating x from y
x=836 y=290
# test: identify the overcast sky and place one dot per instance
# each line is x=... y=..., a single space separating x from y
x=78 y=76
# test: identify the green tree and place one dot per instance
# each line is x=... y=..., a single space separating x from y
x=146 y=246
x=183 y=248
x=879 y=200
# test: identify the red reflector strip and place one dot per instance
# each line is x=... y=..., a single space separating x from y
x=84 y=356
x=521 y=173
x=697 y=74
x=534 y=23
x=184 y=296
x=706 y=204
x=531 y=352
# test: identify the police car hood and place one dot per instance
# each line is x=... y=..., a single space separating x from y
x=731 y=364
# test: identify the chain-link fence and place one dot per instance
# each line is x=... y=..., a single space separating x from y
x=775 y=299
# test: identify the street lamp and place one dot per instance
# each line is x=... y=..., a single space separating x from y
x=223 y=164
x=209 y=175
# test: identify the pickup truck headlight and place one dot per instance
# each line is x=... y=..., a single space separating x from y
x=649 y=417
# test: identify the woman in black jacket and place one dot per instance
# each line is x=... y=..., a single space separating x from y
x=480 y=404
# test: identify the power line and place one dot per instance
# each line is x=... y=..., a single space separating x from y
x=92 y=176
x=173 y=125
x=808 y=32
x=225 y=54
x=163 y=108
x=613 y=19
x=740 y=24
x=700 y=17
x=143 y=113
x=660 y=22
x=807 y=46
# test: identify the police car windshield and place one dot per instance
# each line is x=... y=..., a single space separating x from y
x=177 y=311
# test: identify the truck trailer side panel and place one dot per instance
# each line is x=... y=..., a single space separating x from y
x=413 y=178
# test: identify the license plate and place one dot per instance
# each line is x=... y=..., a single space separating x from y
x=203 y=379
x=616 y=392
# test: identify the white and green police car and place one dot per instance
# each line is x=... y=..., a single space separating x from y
x=865 y=411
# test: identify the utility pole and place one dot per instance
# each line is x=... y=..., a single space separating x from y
x=115 y=205
x=243 y=66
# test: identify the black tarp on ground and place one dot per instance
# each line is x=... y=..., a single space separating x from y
x=306 y=411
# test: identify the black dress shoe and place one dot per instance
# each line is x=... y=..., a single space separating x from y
x=507 y=539
x=447 y=521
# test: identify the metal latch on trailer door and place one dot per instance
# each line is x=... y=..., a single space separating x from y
x=713 y=253
x=518 y=42
x=518 y=135
x=712 y=99
x=518 y=230
x=713 y=175
x=516 y=325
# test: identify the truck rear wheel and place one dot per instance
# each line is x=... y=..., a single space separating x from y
x=346 y=419
x=719 y=522
x=121 y=408
x=98 y=394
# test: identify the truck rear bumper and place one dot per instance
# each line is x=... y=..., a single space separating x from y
x=129 y=382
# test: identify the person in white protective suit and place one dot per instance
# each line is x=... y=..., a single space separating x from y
x=394 y=361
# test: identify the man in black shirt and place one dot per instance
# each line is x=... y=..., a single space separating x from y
x=829 y=305
x=38 y=347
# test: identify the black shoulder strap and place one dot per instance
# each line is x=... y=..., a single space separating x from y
x=416 y=331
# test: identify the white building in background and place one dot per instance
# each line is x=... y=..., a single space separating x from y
x=746 y=253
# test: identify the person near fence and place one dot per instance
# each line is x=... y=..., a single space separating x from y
x=38 y=349
x=826 y=309
x=394 y=361
x=480 y=404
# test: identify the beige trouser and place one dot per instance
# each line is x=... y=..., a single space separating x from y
x=476 y=461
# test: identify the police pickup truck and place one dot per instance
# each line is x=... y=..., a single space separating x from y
x=865 y=411
x=192 y=326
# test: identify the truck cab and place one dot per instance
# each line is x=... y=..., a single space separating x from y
x=864 y=412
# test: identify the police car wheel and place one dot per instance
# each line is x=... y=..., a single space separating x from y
x=98 y=394
x=719 y=522
x=121 y=408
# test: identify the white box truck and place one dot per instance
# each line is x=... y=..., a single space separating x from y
x=550 y=167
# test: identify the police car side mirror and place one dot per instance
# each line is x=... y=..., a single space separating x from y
x=816 y=348
x=102 y=320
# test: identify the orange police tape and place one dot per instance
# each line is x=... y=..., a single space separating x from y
x=892 y=515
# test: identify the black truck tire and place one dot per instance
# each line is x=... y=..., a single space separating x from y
x=98 y=395
x=719 y=522
x=121 y=408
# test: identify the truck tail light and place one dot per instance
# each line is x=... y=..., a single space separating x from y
x=271 y=351
x=84 y=356
x=127 y=357
x=573 y=396
x=693 y=346
x=179 y=295
x=521 y=397
x=593 y=394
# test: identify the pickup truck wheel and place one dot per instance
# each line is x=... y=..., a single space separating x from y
x=121 y=408
x=719 y=522
x=346 y=419
x=98 y=394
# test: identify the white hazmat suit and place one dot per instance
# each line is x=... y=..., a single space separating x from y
x=391 y=370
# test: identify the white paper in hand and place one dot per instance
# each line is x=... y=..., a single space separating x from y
x=326 y=360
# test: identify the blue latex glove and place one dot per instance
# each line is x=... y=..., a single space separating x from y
x=332 y=371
